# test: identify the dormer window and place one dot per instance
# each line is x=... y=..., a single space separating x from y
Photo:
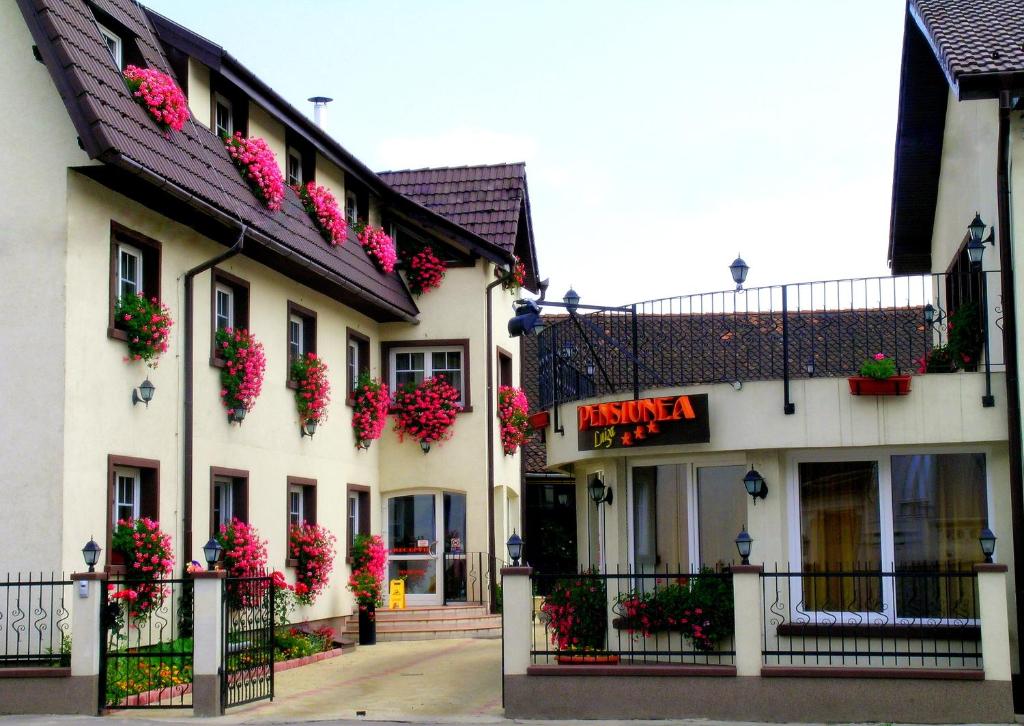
x=294 y=167
x=114 y=45
x=223 y=116
x=351 y=207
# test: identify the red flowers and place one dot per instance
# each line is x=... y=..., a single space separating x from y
x=147 y=324
x=148 y=555
x=321 y=205
x=369 y=562
x=512 y=414
x=245 y=555
x=314 y=390
x=424 y=271
x=426 y=412
x=241 y=378
x=258 y=165
x=516 y=277
x=370 y=409
x=312 y=547
x=159 y=95
x=378 y=245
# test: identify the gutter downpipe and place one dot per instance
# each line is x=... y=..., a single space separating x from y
x=187 y=424
x=1013 y=417
x=491 y=552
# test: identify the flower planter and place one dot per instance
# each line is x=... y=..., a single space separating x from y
x=539 y=420
x=368 y=625
x=581 y=659
x=894 y=386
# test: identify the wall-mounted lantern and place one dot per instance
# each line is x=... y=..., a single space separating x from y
x=755 y=485
x=599 y=492
x=144 y=393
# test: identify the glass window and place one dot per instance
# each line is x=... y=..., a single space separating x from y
x=223 y=120
x=351 y=207
x=412 y=366
x=645 y=523
x=449 y=365
x=113 y=42
x=454 y=522
x=127 y=498
x=721 y=513
x=353 y=516
x=411 y=522
x=295 y=336
x=353 y=363
x=129 y=270
x=409 y=368
x=295 y=517
x=294 y=168
x=223 y=500
x=225 y=307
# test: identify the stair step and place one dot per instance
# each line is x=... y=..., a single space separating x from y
x=439 y=612
x=465 y=619
x=435 y=626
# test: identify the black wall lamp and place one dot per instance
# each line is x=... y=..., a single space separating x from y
x=425 y=447
x=144 y=393
x=755 y=485
x=975 y=243
x=308 y=427
x=599 y=492
x=527 y=320
x=932 y=316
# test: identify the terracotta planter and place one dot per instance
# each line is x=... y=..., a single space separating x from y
x=894 y=386
x=588 y=659
x=539 y=420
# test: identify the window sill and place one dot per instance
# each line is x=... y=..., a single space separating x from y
x=465 y=409
x=291 y=562
x=882 y=630
x=216 y=362
x=292 y=385
x=117 y=334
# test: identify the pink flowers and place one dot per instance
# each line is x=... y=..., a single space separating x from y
x=241 y=378
x=321 y=205
x=516 y=277
x=425 y=271
x=512 y=415
x=426 y=412
x=147 y=326
x=370 y=409
x=245 y=555
x=312 y=547
x=378 y=245
x=159 y=95
x=369 y=562
x=314 y=390
x=258 y=165
x=148 y=556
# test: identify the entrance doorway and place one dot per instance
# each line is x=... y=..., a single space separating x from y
x=421 y=529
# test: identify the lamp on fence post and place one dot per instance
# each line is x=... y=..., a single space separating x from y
x=212 y=550
x=743 y=544
x=739 y=270
x=571 y=300
x=91 y=553
x=988 y=544
x=515 y=548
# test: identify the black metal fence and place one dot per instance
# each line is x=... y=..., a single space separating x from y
x=909 y=618
x=147 y=639
x=636 y=618
x=467 y=576
x=35 y=621
x=781 y=332
x=248 y=659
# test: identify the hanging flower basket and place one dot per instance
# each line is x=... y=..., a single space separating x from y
x=314 y=390
x=426 y=412
x=424 y=271
x=159 y=95
x=147 y=325
x=241 y=378
x=516 y=277
x=323 y=209
x=512 y=410
x=258 y=165
x=892 y=386
x=539 y=420
x=370 y=410
x=378 y=245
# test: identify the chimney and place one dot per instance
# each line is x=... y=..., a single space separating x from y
x=320 y=109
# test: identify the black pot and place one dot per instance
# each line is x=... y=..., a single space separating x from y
x=367 y=625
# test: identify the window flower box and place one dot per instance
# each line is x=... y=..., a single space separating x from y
x=539 y=420
x=892 y=386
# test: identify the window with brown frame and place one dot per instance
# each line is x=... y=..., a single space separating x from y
x=133 y=492
x=229 y=308
x=229 y=496
x=410 y=361
x=504 y=367
x=358 y=360
x=357 y=510
x=134 y=269
x=300 y=505
x=301 y=335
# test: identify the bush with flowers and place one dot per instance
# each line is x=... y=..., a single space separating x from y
x=938 y=360
x=424 y=271
x=966 y=336
x=371 y=401
x=148 y=556
x=577 y=612
x=378 y=245
x=323 y=208
x=258 y=165
x=513 y=409
x=369 y=562
x=313 y=391
x=312 y=548
x=515 y=278
x=244 y=556
x=159 y=95
x=700 y=608
x=146 y=324
x=879 y=366
x=241 y=378
x=426 y=412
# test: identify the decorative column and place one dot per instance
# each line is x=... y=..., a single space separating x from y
x=517 y=625
x=748 y=615
x=995 y=627
x=207 y=648
x=87 y=640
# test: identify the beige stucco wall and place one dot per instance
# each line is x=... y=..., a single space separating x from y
x=200 y=98
x=269 y=129
x=38 y=147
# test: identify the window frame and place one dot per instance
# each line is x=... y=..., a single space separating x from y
x=293 y=155
x=392 y=347
x=149 y=274
x=108 y=35
x=506 y=367
x=351 y=205
x=219 y=98
x=148 y=490
x=239 y=479
x=240 y=307
x=308 y=336
x=361 y=342
x=362 y=494
x=882 y=458
x=309 y=513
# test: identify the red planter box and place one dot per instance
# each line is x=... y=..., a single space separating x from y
x=588 y=660
x=895 y=386
x=539 y=420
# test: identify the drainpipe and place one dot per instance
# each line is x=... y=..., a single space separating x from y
x=490 y=449
x=187 y=427
x=1013 y=420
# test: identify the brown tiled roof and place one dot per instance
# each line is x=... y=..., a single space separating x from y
x=972 y=37
x=484 y=199
x=115 y=129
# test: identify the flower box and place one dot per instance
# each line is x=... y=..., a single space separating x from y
x=539 y=420
x=893 y=386
x=583 y=659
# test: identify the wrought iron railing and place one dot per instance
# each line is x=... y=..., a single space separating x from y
x=467 y=576
x=634 y=618
x=913 y=618
x=35 y=620
x=780 y=332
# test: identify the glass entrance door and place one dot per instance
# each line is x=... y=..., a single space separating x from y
x=412 y=539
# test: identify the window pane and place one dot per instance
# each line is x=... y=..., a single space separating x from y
x=721 y=513
x=295 y=337
x=840 y=532
x=295 y=506
x=645 y=525
x=129 y=273
x=353 y=516
x=224 y=122
x=225 y=312
x=411 y=519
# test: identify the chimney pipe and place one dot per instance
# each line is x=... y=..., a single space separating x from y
x=320 y=109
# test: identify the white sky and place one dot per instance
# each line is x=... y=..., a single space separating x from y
x=661 y=138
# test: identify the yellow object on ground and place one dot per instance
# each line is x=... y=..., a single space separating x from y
x=396 y=598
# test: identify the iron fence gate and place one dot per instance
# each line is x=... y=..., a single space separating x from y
x=247 y=669
x=146 y=636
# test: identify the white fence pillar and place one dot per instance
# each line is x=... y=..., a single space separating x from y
x=207 y=648
x=995 y=626
x=87 y=639
x=747 y=613
x=517 y=619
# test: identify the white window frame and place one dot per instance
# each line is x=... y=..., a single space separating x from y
x=126 y=249
x=122 y=472
x=224 y=491
x=219 y=290
x=296 y=323
x=293 y=156
x=109 y=36
x=353 y=516
x=351 y=207
x=428 y=370
x=220 y=99
x=296 y=492
x=353 y=362
x=882 y=458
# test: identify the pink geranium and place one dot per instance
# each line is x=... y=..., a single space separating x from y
x=148 y=556
x=425 y=271
x=147 y=326
x=513 y=409
x=321 y=205
x=258 y=165
x=369 y=565
x=159 y=95
x=313 y=391
x=241 y=378
x=427 y=411
x=378 y=245
x=312 y=548
x=370 y=405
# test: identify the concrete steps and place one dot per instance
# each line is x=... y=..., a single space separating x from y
x=462 y=620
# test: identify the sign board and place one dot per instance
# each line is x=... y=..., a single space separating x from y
x=660 y=421
x=396 y=595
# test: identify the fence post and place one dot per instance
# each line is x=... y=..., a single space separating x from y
x=517 y=625
x=207 y=646
x=87 y=640
x=995 y=628
x=747 y=613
